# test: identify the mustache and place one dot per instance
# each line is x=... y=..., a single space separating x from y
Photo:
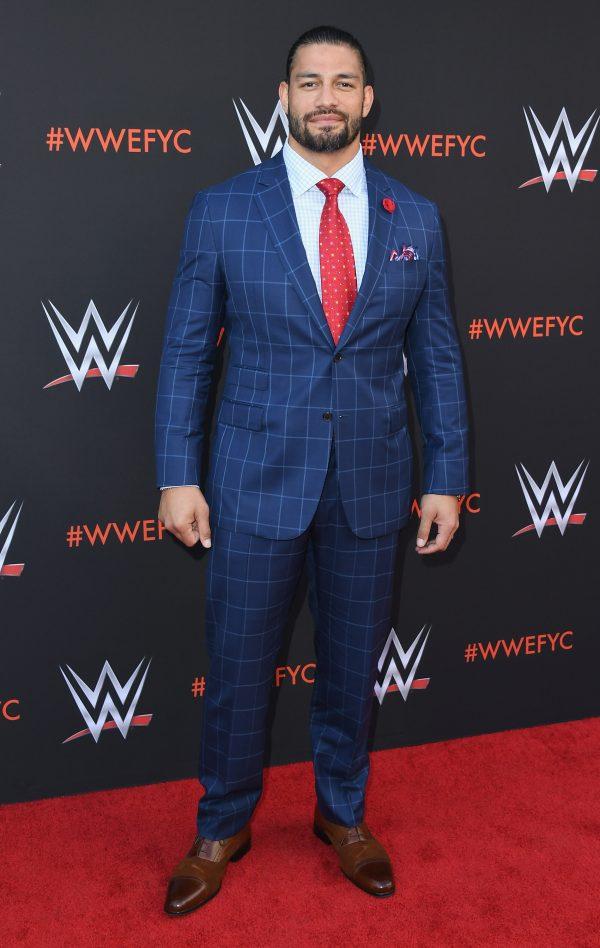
x=319 y=114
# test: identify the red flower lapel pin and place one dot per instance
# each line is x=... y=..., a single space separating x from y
x=389 y=204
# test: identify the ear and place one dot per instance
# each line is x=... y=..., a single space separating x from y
x=283 y=95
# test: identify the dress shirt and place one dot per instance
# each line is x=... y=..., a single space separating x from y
x=309 y=202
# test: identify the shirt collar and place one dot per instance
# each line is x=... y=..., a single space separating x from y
x=303 y=175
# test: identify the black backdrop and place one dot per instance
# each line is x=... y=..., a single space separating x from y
x=83 y=223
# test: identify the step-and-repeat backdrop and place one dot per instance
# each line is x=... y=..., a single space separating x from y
x=113 y=117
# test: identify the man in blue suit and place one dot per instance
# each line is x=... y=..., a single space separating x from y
x=323 y=272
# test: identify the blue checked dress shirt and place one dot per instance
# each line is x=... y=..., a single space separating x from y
x=309 y=202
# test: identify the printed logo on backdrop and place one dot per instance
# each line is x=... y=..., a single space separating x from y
x=8 y=525
x=392 y=678
x=533 y=643
x=10 y=709
x=526 y=328
x=131 y=141
x=109 y=705
x=561 y=148
x=80 y=347
x=257 y=138
x=551 y=503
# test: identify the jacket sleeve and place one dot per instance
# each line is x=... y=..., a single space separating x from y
x=194 y=316
x=435 y=373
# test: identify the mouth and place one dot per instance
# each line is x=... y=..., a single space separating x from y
x=326 y=119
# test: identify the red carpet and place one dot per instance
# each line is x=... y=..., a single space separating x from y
x=495 y=841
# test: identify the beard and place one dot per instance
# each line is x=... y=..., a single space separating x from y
x=326 y=139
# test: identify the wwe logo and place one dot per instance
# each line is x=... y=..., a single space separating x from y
x=406 y=660
x=534 y=495
x=262 y=136
x=543 y=145
x=116 y=338
x=9 y=569
x=128 y=696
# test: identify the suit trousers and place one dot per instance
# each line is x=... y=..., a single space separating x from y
x=250 y=586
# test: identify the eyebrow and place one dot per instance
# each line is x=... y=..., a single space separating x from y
x=312 y=75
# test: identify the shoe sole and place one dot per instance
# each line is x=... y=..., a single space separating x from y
x=239 y=854
x=322 y=835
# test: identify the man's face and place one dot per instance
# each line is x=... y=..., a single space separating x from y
x=326 y=99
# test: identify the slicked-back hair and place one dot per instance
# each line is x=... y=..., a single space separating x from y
x=335 y=37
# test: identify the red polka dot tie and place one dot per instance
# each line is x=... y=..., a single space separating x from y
x=338 y=272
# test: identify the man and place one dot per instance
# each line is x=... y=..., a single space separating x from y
x=322 y=270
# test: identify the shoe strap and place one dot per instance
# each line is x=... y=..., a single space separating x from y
x=211 y=849
x=356 y=834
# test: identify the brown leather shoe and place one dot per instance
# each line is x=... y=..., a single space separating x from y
x=198 y=877
x=362 y=858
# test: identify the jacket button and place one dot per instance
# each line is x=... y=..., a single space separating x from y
x=337 y=357
x=327 y=415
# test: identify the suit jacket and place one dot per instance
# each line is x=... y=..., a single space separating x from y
x=288 y=388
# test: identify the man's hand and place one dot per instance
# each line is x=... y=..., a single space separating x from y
x=184 y=512
x=441 y=509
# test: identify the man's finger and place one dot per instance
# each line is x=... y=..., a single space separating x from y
x=441 y=541
x=186 y=533
x=424 y=528
x=202 y=527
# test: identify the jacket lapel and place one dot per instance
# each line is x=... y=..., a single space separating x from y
x=276 y=204
x=380 y=231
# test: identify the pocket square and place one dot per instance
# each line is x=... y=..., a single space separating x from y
x=408 y=253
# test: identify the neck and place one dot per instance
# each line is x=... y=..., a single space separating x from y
x=326 y=161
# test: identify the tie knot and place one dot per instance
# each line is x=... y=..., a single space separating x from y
x=330 y=187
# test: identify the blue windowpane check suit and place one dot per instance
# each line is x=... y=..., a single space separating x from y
x=311 y=461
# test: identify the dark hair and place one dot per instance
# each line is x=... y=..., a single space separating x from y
x=330 y=34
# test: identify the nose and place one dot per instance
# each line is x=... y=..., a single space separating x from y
x=326 y=101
